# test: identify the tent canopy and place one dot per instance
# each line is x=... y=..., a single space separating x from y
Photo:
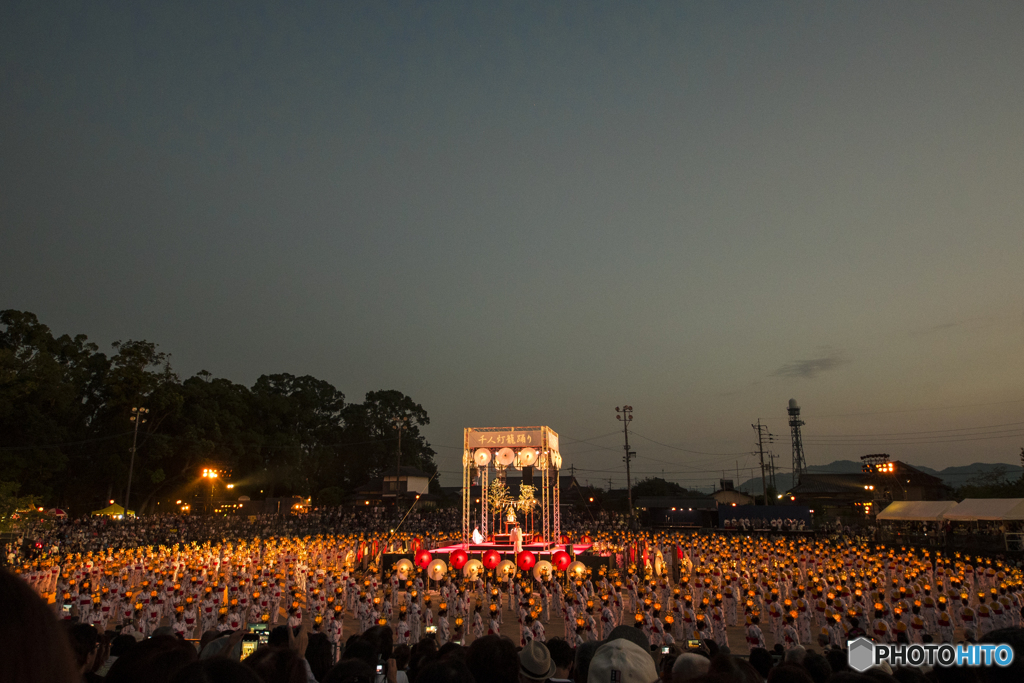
x=971 y=509
x=112 y=511
x=916 y=510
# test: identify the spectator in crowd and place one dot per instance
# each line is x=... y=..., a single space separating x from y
x=789 y=673
x=85 y=643
x=688 y=666
x=819 y=668
x=33 y=647
x=622 y=661
x=216 y=670
x=562 y=655
x=155 y=660
x=493 y=658
x=535 y=663
x=584 y=655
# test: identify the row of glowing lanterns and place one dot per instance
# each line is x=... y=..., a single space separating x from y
x=526 y=457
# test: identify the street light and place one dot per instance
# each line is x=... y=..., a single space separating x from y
x=400 y=423
x=138 y=417
x=212 y=475
x=625 y=415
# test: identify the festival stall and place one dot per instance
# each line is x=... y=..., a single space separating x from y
x=115 y=511
x=987 y=509
x=916 y=511
x=998 y=519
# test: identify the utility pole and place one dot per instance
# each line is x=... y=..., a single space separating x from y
x=138 y=417
x=625 y=415
x=762 y=430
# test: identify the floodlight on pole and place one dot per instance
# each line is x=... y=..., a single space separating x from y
x=138 y=417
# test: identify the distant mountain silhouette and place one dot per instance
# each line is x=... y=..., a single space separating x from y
x=951 y=476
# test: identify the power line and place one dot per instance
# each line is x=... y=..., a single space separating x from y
x=897 y=442
x=932 y=431
x=920 y=410
x=699 y=453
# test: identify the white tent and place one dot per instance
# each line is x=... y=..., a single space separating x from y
x=916 y=510
x=972 y=509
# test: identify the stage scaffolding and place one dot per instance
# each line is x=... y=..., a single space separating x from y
x=505 y=448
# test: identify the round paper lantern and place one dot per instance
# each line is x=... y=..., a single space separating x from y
x=423 y=558
x=527 y=458
x=481 y=457
x=437 y=569
x=577 y=568
x=565 y=539
x=472 y=569
x=403 y=568
x=542 y=570
x=505 y=457
x=491 y=559
x=458 y=558
x=586 y=539
x=561 y=560
x=525 y=560
x=505 y=569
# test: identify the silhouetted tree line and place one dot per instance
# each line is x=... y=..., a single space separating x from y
x=66 y=436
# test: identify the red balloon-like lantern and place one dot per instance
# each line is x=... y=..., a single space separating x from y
x=525 y=560
x=565 y=538
x=561 y=560
x=423 y=558
x=458 y=559
x=491 y=559
x=585 y=539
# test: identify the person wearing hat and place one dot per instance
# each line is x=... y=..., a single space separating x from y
x=535 y=663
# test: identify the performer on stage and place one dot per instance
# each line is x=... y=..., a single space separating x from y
x=516 y=535
x=478 y=537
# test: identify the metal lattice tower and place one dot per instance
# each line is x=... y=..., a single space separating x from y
x=795 y=423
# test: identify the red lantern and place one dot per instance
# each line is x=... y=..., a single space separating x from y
x=423 y=558
x=585 y=539
x=565 y=538
x=458 y=559
x=561 y=560
x=491 y=559
x=525 y=560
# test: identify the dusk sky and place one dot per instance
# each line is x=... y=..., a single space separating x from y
x=531 y=213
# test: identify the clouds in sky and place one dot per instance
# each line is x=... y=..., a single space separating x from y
x=811 y=367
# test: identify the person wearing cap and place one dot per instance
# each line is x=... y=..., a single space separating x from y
x=535 y=663
x=622 y=661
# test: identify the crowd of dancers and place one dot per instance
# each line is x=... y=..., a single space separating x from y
x=673 y=587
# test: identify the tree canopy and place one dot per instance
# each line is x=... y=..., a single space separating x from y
x=66 y=436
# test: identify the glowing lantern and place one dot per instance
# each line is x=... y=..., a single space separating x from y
x=491 y=559
x=505 y=457
x=458 y=558
x=472 y=569
x=437 y=569
x=527 y=458
x=423 y=558
x=525 y=560
x=561 y=560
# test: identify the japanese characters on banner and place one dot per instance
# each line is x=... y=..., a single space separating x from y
x=505 y=436
x=543 y=439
